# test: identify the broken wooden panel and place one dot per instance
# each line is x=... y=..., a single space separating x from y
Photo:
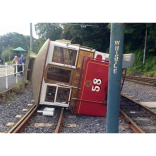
x=76 y=78
x=64 y=56
x=83 y=53
x=73 y=100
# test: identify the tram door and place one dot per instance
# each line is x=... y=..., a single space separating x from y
x=56 y=87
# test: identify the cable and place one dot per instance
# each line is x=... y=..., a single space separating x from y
x=85 y=25
x=92 y=37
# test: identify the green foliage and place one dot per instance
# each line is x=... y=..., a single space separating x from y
x=48 y=30
x=38 y=43
x=8 y=62
x=97 y=36
x=134 y=36
x=15 y=40
x=18 y=85
x=5 y=54
x=13 y=96
x=94 y=35
x=134 y=42
x=148 y=68
x=4 y=98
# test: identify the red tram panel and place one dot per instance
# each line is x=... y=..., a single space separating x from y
x=93 y=94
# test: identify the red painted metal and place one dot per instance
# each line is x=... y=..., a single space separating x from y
x=93 y=93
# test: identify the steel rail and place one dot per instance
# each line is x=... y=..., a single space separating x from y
x=144 y=81
x=143 y=107
x=142 y=78
x=59 y=124
x=22 y=123
x=133 y=126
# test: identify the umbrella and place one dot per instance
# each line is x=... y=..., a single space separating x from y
x=19 y=50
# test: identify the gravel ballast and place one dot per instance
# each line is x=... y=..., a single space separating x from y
x=90 y=124
x=84 y=123
x=43 y=119
x=143 y=93
x=9 y=110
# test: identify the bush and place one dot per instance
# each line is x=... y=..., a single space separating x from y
x=148 y=68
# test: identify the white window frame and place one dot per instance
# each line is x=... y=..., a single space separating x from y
x=43 y=95
x=62 y=45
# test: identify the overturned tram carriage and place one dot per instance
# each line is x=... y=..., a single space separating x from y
x=73 y=76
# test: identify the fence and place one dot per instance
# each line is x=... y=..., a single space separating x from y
x=6 y=67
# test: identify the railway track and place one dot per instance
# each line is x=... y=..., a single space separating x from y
x=142 y=80
x=27 y=122
x=24 y=122
x=19 y=126
x=139 y=118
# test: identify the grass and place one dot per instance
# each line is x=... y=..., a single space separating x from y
x=18 y=85
x=8 y=62
x=146 y=69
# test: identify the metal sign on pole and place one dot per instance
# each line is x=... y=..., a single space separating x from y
x=115 y=71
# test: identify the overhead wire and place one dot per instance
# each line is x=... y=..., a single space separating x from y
x=92 y=37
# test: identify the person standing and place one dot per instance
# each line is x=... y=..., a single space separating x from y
x=21 y=62
x=14 y=61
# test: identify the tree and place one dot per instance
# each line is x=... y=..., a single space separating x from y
x=5 y=54
x=48 y=30
x=134 y=36
x=15 y=40
x=94 y=35
x=151 y=38
x=37 y=45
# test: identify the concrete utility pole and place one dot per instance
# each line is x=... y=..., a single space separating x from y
x=4 y=54
x=31 y=38
x=115 y=71
x=9 y=54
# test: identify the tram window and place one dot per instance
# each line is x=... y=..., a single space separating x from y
x=64 y=56
x=62 y=95
x=58 y=74
x=50 y=94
